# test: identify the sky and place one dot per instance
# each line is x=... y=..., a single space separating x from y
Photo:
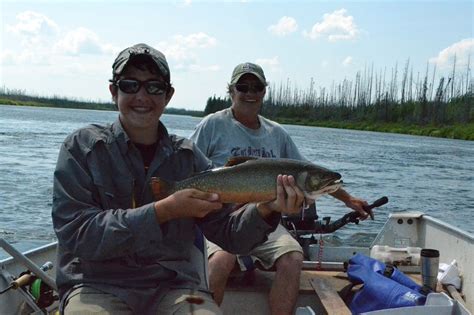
x=66 y=48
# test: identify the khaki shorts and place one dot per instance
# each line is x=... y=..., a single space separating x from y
x=279 y=242
x=87 y=300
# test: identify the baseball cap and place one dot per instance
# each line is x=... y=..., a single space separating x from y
x=141 y=49
x=248 y=67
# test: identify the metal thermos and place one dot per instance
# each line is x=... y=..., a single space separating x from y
x=429 y=267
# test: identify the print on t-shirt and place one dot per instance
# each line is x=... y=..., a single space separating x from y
x=249 y=151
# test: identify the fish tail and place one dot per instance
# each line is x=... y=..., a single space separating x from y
x=160 y=188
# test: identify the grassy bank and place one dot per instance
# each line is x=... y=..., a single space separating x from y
x=457 y=131
x=95 y=106
x=67 y=104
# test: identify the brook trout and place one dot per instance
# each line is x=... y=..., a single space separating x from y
x=254 y=180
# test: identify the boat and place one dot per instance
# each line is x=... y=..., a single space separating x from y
x=323 y=278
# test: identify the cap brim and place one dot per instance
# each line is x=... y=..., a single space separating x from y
x=259 y=77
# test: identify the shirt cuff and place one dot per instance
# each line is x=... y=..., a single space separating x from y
x=146 y=230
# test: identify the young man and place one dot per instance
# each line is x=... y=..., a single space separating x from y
x=241 y=131
x=119 y=251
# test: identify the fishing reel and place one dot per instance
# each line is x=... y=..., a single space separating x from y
x=42 y=293
x=307 y=222
x=38 y=290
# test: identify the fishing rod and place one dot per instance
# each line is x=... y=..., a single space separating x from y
x=311 y=225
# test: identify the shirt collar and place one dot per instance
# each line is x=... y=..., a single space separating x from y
x=124 y=141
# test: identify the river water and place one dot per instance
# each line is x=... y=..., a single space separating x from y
x=431 y=175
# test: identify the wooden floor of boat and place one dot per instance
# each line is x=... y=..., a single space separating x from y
x=247 y=293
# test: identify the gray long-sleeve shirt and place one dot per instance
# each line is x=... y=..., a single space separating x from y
x=104 y=217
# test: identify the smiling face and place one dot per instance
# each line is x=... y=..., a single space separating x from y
x=140 y=112
x=247 y=101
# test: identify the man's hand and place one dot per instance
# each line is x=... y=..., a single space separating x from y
x=289 y=198
x=354 y=203
x=187 y=203
x=358 y=205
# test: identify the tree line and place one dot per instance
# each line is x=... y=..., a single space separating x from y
x=374 y=96
x=21 y=97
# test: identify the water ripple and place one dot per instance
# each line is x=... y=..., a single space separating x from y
x=424 y=174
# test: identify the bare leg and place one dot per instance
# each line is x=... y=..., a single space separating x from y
x=221 y=264
x=286 y=284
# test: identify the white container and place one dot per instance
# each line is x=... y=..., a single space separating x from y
x=406 y=256
x=436 y=303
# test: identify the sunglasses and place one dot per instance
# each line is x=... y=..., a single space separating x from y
x=133 y=86
x=245 y=87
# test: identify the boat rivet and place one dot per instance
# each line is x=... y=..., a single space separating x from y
x=410 y=221
x=400 y=221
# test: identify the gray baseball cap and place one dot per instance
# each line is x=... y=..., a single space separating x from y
x=141 y=49
x=248 y=67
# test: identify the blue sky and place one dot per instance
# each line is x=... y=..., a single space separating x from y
x=66 y=48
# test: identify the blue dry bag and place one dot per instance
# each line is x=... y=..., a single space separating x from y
x=379 y=291
x=386 y=270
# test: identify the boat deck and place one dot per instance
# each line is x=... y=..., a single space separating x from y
x=321 y=290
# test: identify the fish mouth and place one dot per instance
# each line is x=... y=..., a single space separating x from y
x=329 y=186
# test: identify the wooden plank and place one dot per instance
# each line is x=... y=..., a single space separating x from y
x=330 y=299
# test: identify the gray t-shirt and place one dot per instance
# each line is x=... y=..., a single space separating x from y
x=220 y=136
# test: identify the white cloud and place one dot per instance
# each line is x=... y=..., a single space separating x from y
x=285 y=26
x=82 y=41
x=269 y=63
x=461 y=50
x=9 y=57
x=34 y=30
x=183 y=3
x=42 y=42
x=33 y=24
x=182 y=48
x=347 y=61
x=183 y=51
x=335 y=26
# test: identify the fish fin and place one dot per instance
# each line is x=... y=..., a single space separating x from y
x=236 y=160
x=160 y=188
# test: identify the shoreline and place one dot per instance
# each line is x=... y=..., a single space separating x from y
x=456 y=131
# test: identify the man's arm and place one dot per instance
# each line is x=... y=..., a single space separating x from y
x=83 y=227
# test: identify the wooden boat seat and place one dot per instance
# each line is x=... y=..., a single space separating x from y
x=318 y=289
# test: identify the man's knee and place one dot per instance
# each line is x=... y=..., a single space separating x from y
x=289 y=261
x=87 y=300
x=222 y=260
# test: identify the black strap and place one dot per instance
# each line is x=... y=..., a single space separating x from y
x=389 y=268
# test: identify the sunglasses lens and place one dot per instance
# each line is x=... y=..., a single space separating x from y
x=245 y=87
x=241 y=87
x=156 y=87
x=129 y=86
x=258 y=87
x=152 y=87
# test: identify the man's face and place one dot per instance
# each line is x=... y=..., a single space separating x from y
x=141 y=110
x=248 y=92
